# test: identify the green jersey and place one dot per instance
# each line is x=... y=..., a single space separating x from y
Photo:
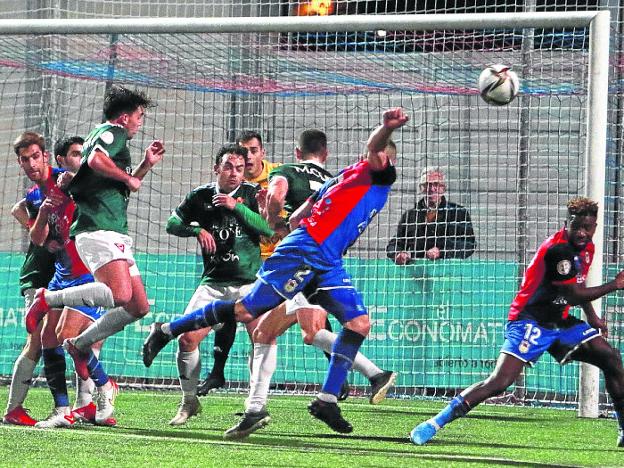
x=101 y=202
x=37 y=269
x=303 y=178
x=237 y=258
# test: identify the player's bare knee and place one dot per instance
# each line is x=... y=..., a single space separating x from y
x=242 y=314
x=308 y=335
x=122 y=296
x=188 y=342
x=261 y=336
x=62 y=334
x=359 y=326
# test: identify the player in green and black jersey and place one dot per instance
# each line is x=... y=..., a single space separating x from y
x=223 y=215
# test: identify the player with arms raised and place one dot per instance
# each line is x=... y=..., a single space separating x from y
x=539 y=321
x=290 y=186
x=309 y=260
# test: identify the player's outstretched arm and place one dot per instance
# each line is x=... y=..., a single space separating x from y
x=392 y=119
x=578 y=294
x=20 y=213
x=177 y=227
x=153 y=155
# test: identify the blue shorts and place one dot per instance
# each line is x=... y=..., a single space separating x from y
x=58 y=282
x=527 y=340
x=297 y=265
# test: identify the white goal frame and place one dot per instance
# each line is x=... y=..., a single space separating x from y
x=599 y=31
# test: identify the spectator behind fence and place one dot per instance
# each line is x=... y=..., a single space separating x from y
x=435 y=228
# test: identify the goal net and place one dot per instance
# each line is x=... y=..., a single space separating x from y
x=438 y=323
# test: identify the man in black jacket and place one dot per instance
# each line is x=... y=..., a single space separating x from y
x=435 y=228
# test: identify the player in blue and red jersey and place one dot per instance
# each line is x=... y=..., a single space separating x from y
x=36 y=271
x=51 y=227
x=539 y=321
x=309 y=260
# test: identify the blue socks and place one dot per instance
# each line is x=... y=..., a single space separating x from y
x=96 y=371
x=54 y=368
x=343 y=353
x=455 y=409
x=210 y=314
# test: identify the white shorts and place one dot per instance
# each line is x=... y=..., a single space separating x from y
x=206 y=293
x=299 y=302
x=98 y=248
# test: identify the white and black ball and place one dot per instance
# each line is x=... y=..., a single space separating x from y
x=498 y=85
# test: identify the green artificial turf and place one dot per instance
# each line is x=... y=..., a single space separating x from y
x=490 y=435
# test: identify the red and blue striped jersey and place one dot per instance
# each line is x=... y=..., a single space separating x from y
x=555 y=263
x=68 y=264
x=345 y=205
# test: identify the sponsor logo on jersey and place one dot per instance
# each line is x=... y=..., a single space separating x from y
x=587 y=257
x=560 y=300
x=107 y=137
x=588 y=331
x=309 y=169
x=564 y=267
x=121 y=247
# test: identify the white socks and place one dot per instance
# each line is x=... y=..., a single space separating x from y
x=20 y=381
x=189 y=365
x=107 y=325
x=324 y=339
x=90 y=294
x=262 y=369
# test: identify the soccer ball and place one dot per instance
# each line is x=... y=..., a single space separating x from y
x=498 y=85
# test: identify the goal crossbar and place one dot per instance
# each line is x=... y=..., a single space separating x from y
x=345 y=23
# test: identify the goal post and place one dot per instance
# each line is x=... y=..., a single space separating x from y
x=437 y=323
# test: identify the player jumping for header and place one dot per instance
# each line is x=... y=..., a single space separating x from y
x=309 y=260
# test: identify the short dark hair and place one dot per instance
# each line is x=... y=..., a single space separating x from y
x=61 y=147
x=312 y=142
x=120 y=100
x=248 y=135
x=582 y=206
x=26 y=139
x=230 y=149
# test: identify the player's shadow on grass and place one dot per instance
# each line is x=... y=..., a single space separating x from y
x=525 y=446
x=426 y=414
